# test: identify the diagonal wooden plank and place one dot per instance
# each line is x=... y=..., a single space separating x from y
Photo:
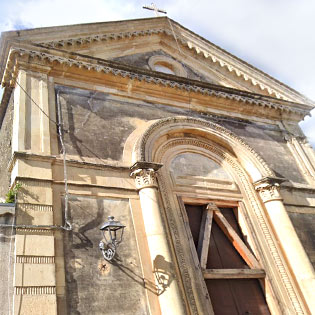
x=234 y=274
x=204 y=237
x=236 y=240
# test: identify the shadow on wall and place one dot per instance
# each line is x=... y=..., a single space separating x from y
x=85 y=242
x=163 y=271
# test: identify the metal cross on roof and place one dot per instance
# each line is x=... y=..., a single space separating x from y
x=154 y=8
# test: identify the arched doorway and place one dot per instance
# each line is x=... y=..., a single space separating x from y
x=222 y=170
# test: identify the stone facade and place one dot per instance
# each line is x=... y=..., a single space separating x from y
x=89 y=130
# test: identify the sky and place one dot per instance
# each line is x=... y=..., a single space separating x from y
x=276 y=36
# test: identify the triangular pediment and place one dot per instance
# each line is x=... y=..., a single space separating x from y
x=134 y=42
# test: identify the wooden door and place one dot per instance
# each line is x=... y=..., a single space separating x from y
x=230 y=268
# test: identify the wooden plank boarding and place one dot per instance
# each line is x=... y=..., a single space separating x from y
x=204 y=237
x=234 y=273
x=236 y=240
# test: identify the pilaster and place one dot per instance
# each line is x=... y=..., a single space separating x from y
x=19 y=120
x=34 y=264
x=300 y=266
x=145 y=175
x=31 y=129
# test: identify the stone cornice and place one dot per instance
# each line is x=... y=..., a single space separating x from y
x=49 y=57
x=77 y=41
x=53 y=159
x=203 y=48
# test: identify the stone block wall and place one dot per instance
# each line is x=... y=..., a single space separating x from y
x=6 y=148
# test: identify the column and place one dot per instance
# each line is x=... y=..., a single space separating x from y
x=297 y=259
x=19 y=120
x=162 y=264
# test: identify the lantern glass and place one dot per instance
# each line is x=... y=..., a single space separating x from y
x=113 y=231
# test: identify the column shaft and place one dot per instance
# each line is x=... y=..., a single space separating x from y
x=163 y=267
x=289 y=241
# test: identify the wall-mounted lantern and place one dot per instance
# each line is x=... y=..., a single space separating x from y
x=113 y=232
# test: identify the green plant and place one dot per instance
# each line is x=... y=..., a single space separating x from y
x=10 y=196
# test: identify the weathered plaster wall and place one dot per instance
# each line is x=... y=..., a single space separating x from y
x=6 y=148
x=269 y=142
x=304 y=224
x=99 y=125
x=95 y=286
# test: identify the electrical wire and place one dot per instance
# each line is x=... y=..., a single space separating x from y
x=32 y=100
x=174 y=36
x=60 y=128
x=67 y=225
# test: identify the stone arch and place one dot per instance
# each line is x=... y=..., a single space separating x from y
x=152 y=143
x=154 y=133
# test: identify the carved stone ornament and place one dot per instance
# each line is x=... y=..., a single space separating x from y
x=268 y=188
x=144 y=174
x=209 y=126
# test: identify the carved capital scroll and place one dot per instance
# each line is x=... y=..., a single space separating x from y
x=144 y=174
x=269 y=188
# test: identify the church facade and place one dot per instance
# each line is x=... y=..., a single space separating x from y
x=197 y=153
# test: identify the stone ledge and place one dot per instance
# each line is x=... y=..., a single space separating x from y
x=35 y=275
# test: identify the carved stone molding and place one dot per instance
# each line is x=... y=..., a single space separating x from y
x=145 y=174
x=34 y=207
x=77 y=41
x=34 y=231
x=180 y=252
x=207 y=126
x=35 y=290
x=268 y=188
x=11 y=72
x=19 y=259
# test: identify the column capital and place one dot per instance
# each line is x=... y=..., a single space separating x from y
x=268 y=188
x=144 y=174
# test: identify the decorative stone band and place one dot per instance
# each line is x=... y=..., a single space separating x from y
x=268 y=188
x=144 y=174
x=34 y=207
x=35 y=290
x=36 y=231
x=11 y=72
x=34 y=259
